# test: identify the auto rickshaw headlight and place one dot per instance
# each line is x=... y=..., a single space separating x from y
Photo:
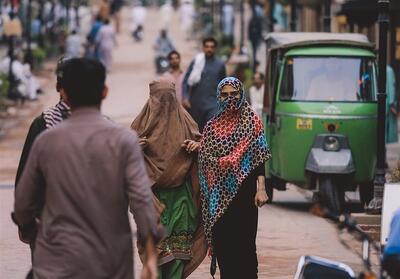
x=331 y=143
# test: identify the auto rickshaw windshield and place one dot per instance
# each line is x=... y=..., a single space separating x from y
x=332 y=79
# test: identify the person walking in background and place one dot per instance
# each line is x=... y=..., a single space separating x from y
x=139 y=13
x=27 y=84
x=391 y=107
x=104 y=10
x=115 y=12
x=175 y=73
x=168 y=136
x=80 y=176
x=200 y=83
x=162 y=46
x=255 y=33
x=232 y=158
x=187 y=17
x=92 y=48
x=257 y=93
x=106 y=41
x=73 y=45
x=167 y=12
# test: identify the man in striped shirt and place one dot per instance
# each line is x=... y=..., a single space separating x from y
x=46 y=120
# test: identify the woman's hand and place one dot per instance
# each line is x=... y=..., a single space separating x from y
x=261 y=197
x=186 y=104
x=191 y=146
x=143 y=142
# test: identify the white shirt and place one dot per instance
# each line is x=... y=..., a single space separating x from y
x=256 y=99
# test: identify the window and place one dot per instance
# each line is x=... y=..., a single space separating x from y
x=333 y=79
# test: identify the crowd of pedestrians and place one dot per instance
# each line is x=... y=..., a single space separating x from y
x=181 y=185
x=79 y=172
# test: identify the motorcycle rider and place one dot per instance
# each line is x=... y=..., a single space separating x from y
x=162 y=46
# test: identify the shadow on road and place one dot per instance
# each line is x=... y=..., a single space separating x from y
x=294 y=206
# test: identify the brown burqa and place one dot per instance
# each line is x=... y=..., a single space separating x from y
x=166 y=125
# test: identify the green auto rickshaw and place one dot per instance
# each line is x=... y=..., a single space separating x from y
x=320 y=114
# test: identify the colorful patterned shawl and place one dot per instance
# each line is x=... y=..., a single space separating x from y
x=233 y=145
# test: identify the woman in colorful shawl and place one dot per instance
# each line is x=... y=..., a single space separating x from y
x=232 y=154
x=168 y=135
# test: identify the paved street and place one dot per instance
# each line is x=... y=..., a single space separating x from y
x=286 y=229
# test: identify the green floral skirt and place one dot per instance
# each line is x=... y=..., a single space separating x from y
x=180 y=221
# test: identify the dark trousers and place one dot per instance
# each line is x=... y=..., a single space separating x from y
x=234 y=235
x=201 y=115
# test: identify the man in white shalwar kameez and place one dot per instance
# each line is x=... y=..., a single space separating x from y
x=106 y=41
x=187 y=16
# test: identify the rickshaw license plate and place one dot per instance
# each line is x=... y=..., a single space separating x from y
x=303 y=124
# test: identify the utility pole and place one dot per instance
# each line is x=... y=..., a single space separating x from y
x=28 y=57
x=327 y=16
x=77 y=19
x=42 y=23
x=67 y=5
x=241 y=43
x=293 y=15
x=221 y=15
x=271 y=15
x=212 y=18
x=375 y=206
x=11 y=78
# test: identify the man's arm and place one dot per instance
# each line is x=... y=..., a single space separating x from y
x=29 y=195
x=185 y=85
x=38 y=126
x=138 y=187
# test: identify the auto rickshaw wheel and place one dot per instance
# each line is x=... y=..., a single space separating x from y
x=332 y=196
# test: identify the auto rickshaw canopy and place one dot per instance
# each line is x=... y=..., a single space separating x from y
x=287 y=40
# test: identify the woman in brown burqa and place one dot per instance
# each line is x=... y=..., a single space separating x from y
x=169 y=135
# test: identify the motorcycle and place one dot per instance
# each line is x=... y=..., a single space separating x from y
x=312 y=267
x=162 y=64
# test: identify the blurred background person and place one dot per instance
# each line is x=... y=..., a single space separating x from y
x=27 y=85
x=175 y=73
x=139 y=13
x=257 y=93
x=115 y=12
x=167 y=11
x=187 y=13
x=92 y=50
x=104 y=10
x=73 y=45
x=162 y=46
x=200 y=83
x=106 y=40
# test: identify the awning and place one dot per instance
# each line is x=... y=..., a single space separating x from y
x=365 y=12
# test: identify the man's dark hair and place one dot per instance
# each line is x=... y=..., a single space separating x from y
x=210 y=39
x=59 y=72
x=83 y=81
x=261 y=75
x=174 y=52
